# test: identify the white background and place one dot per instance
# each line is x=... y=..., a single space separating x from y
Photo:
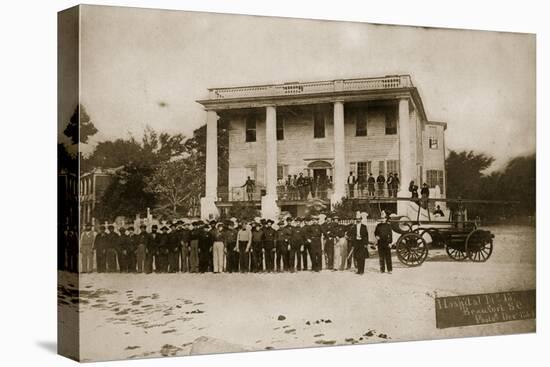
x=28 y=178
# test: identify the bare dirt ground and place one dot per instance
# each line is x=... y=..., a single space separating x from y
x=138 y=315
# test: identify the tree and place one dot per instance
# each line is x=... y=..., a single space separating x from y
x=80 y=127
x=465 y=173
x=174 y=182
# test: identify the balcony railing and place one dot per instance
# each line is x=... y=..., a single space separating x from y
x=304 y=193
x=291 y=89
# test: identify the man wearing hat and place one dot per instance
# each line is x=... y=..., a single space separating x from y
x=194 y=230
x=296 y=242
x=359 y=238
x=87 y=239
x=244 y=242
x=383 y=234
x=184 y=235
x=340 y=244
x=328 y=228
x=257 y=248
x=270 y=237
x=218 y=247
x=126 y=250
x=283 y=246
x=163 y=250
x=152 y=243
x=141 y=248
x=100 y=247
x=174 y=249
x=313 y=237
x=231 y=250
x=113 y=243
x=205 y=248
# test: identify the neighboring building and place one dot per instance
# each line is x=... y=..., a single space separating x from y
x=92 y=187
x=323 y=130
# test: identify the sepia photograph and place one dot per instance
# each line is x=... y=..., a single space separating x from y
x=236 y=183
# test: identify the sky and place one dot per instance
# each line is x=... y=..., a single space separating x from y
x=144 y=67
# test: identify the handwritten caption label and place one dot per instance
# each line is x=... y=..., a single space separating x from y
x=489 y=308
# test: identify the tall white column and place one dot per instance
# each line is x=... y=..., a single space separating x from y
x=339 y=176
x=208 y=202
x=269 y=201
x=406 y=161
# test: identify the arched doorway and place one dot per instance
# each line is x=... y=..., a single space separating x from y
x=321 y=169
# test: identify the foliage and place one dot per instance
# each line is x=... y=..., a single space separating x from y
x=174 y=182
x=516 y=182
x=80 y=126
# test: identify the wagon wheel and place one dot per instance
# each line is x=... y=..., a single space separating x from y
x=479 y=245
x=456 y=254
x=411 y=249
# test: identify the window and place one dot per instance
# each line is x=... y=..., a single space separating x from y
x=391 y=120
x=434 y=178
x=363 y=169
x=393 y=166
x=353 y=168
x=281 y=172
x=382 y=168
x=318 y=123
x=360 y=122
x=432 y=138
x=250 y=129
x=280 y=129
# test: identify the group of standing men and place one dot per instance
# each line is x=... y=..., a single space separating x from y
x=373 y=187
x=234 y=246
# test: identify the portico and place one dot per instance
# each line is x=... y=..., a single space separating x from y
x=282 y=108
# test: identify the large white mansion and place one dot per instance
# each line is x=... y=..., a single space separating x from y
x=323 y=130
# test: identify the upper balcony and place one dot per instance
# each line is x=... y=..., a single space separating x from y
x=312 y=88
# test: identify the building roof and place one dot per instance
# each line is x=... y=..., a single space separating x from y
x=389 y=86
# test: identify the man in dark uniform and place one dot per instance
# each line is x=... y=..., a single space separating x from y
x=313 y=236
x=113 y=243
x=380 y=180
x=163 y=251
x=141 y=248
x=174 y=249
x=359 y=238
x=328 y=228
x=205 y=248
x=257 y=245
x=296 y=242
x=152 y=244
x=370 y=184
x=232 y=258
x=283 y=246
x=305 y=249
x=100 y=246
x=124 y=249
x=194 y=231
x=270 y=237
x=300 y=183
x=185 y=246
x=383 y=234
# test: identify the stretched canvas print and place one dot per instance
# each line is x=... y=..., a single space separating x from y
x=232 y=183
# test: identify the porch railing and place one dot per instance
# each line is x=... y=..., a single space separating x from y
x=297 y=88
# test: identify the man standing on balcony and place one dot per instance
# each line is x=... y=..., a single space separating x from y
x=250 y=187
x=389 y=184
x=395 y=184
x=381 y=180
x=301 y=185
x=351 y=184
x=370 y=184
